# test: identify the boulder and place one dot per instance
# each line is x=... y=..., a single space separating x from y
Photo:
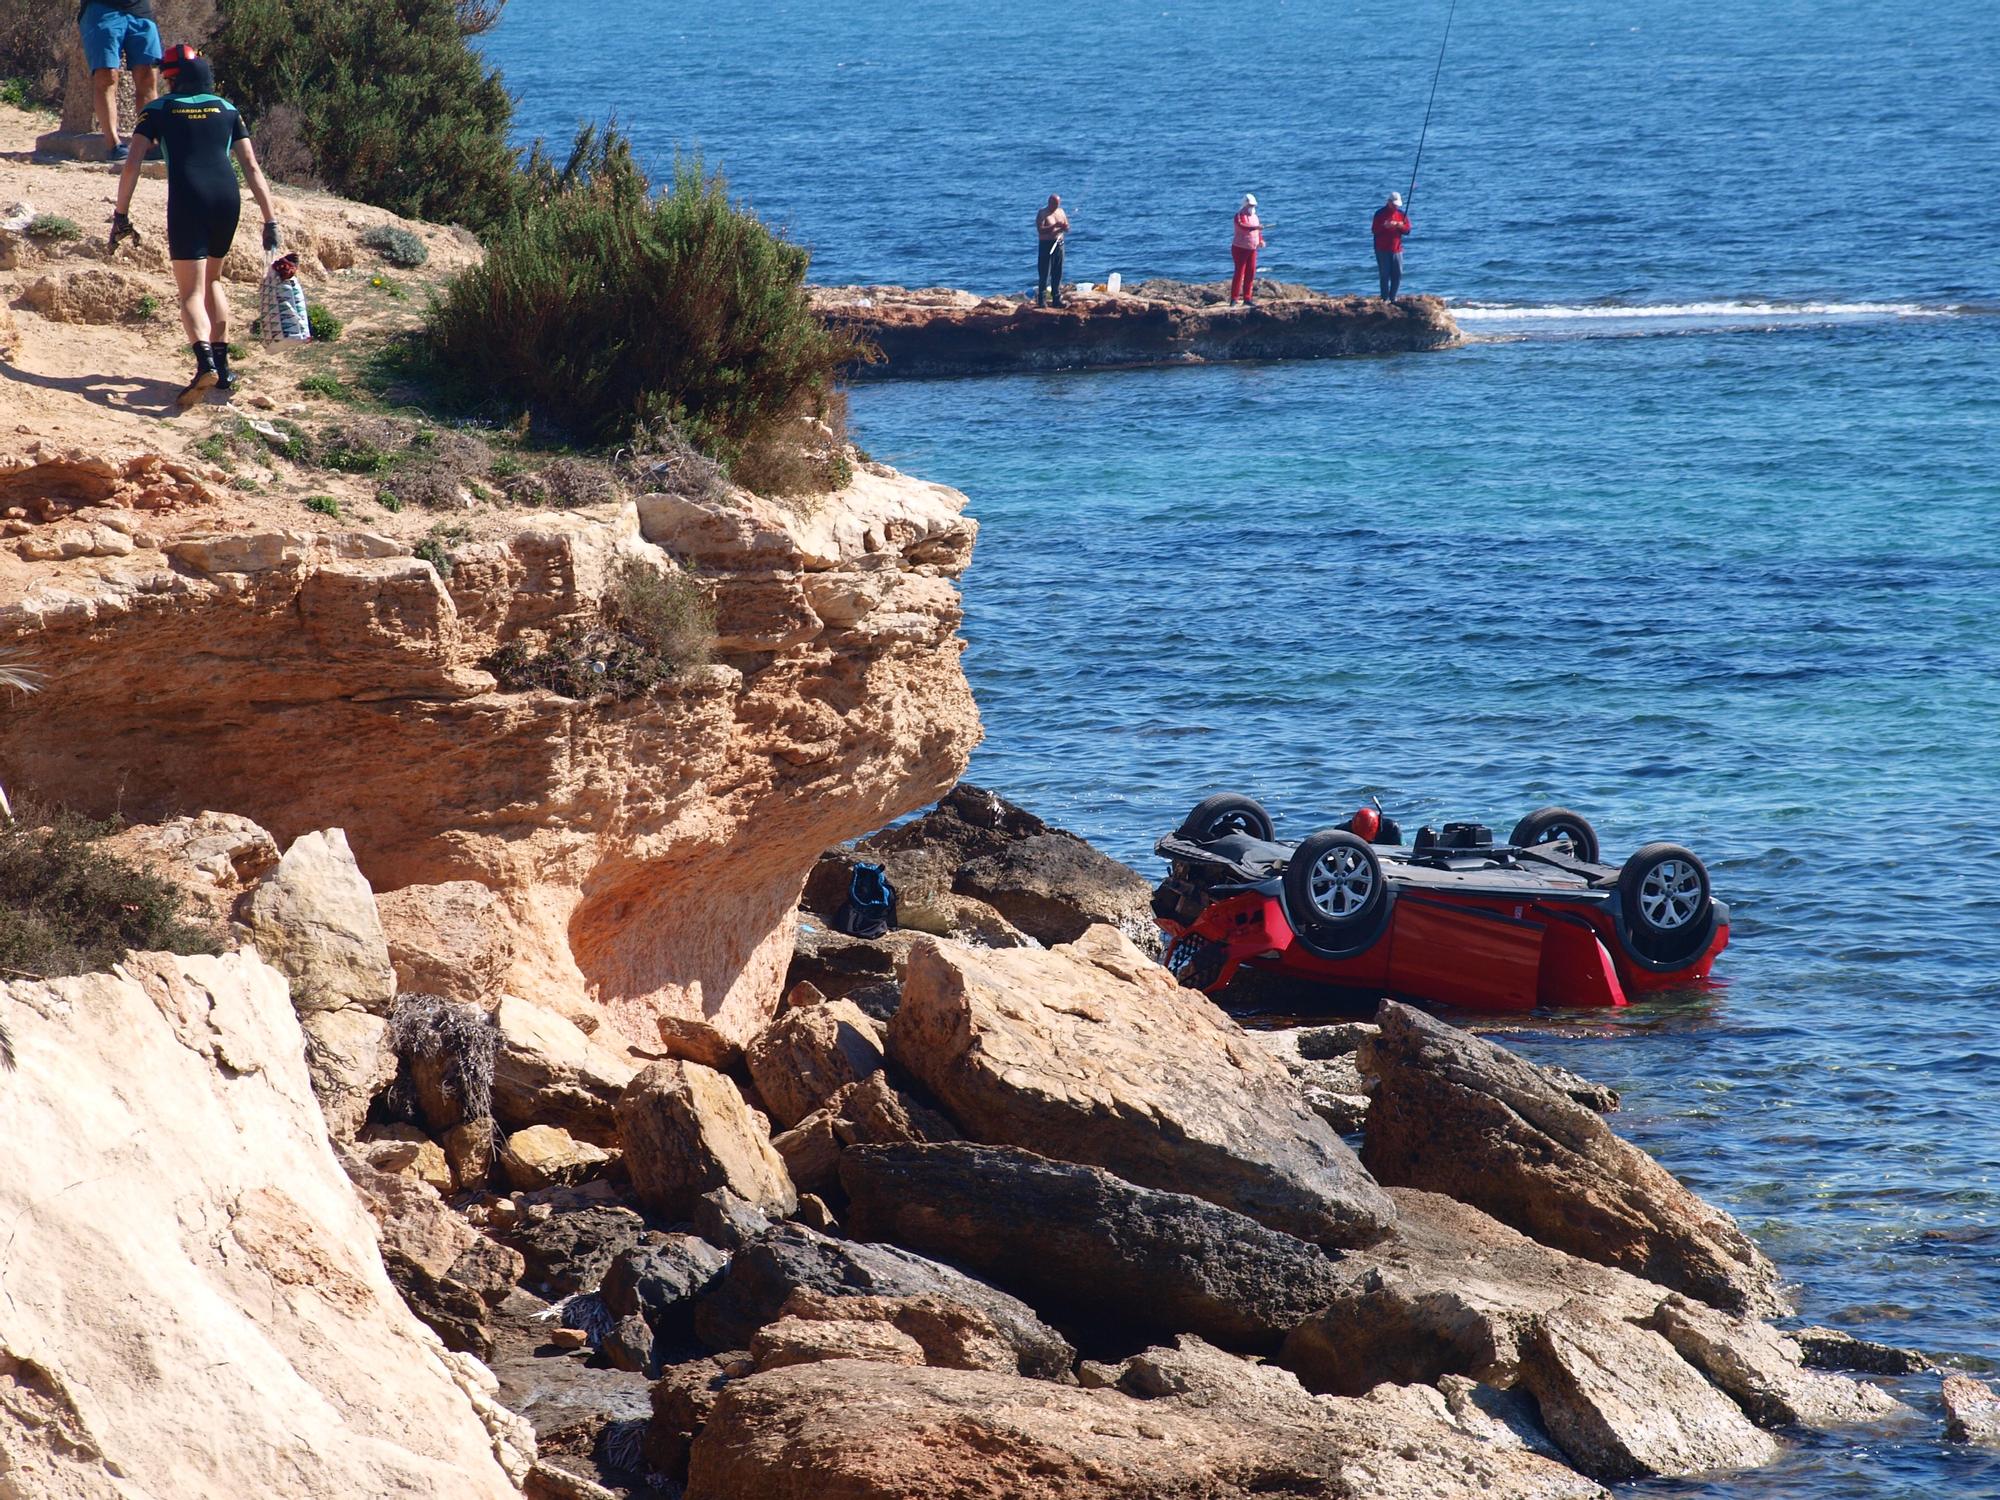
x=727 y=1221
x=1331 y=1085
x=1830 y=1349
x=546 y=1156
x=685 y=1130
x=682 y=1400
x=807 y=1054
x=660 y=1282
x=349 y=1060
x=314 y=918
x=874 y=1112
x=452 y=939
x=1763 y=1371
x=811 y=1152
x=952 y=1335
x=546 y=1071
x=451 y=1275
x=801 y=1341
x=1971 y=1411
x=405 y=1149
x=566 y=1253
x=470 y=1147
x=1456 y=1114
x=1451 y=1292
x=195 y=1304
x=1621 y=1404
x=1222 y=1430
x=1092 y=1053
x=791 y=1258
x=212 y=858
x=1080 y=1241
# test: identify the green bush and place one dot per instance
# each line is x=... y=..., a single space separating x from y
x=53 y=227
x=601 y=307
x=328 y=386
x=67 y=906
x=326 y=505
x=322 y=324
x=395 y=245
x=392 y=105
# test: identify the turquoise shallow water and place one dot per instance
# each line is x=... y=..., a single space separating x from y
x=1698 y=539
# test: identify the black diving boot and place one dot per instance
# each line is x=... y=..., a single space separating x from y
x=218 y=353
x=204 y=376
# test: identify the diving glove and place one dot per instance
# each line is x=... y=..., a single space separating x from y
x=271 y=235
x=121 y=229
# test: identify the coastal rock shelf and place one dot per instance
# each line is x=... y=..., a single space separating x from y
x=938 y=331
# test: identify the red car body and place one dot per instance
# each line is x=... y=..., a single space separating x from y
x=1457 y=920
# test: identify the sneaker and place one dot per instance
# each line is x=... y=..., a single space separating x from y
x=118 y=153
x=190 y=393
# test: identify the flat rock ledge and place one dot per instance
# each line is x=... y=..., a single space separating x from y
x=939 y=332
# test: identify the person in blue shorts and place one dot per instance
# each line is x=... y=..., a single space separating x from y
x=116 y=31
x=198 y=131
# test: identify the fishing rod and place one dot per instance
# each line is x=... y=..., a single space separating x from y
x=1411 y=196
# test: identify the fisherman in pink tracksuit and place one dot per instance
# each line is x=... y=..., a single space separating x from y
x=1249 y=240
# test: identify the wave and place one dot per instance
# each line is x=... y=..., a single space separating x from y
x=1473 y=311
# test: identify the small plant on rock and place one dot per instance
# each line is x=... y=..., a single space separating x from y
x=146 y=308
x=363 y=444
x=325 y=505
x=565 y=484
x=444 y=1051
x=53 y=227
x=396 y=245
x=656 y=626
x=435 y=548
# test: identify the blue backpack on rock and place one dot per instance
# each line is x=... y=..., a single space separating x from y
x=870 y=907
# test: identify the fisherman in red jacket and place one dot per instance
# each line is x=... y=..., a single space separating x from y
x=1390 y=225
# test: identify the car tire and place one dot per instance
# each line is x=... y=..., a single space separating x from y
x=1335 y=892
x=1669 y=912
x=1226 y=812
x=1547 y=824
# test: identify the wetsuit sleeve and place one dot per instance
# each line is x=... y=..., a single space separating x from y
x=148 y=124
x=238 y=131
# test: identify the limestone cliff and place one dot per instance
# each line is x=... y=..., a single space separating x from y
x=648 y=852
x=191 y=1298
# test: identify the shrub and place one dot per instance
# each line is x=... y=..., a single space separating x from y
x=656 y=626
x=396 y=245
x=435 y=548
x=69 y=906
x=53 y=227
x=601 y=307
x=362 y=445
x=565 y=484
x=394 y=108
x=454 y=1041
x=146 y=308
x=325 y=385
x=322 y=324
x=662 y=461
x=326 y=505
x=438 y=469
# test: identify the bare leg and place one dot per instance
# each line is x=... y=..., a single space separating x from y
x=217 y=304
x=192 y=283
x=104 y=85
x=144 y=84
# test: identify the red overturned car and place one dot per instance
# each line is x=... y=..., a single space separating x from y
x=1451 y=917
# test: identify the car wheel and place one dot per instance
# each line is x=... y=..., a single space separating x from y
x=1334 y=888
x=1664 y=889
x=1546 y=825
x=1226 y=812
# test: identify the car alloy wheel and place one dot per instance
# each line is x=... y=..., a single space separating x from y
x=1671 y=895
x=1341 y=882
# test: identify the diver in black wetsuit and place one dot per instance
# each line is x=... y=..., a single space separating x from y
x=197 y=131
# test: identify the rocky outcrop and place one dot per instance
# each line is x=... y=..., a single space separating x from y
x=1451 y=1292
x=1971 y=1411
x=548 y=1156
x=686 y=1130
x=1455 y=1114
x=809 y=1054
x=314 y=918
x=451 y=1275
x=1092 y=1053
x=647 y=853
x=790 y=1259
x=1081 y=1242
x=211 y=858
x=196 y=1302
x=1763 y=1371
x=926 y=333
x=547 y=1071
x=1622 y=1404
x=980 y=867
x=452 y=940
x=1219 y=1428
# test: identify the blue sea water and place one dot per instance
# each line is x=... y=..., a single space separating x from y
x=1697 y=536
